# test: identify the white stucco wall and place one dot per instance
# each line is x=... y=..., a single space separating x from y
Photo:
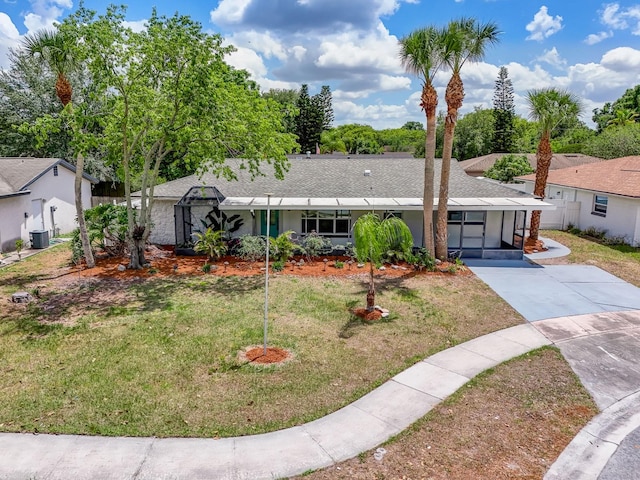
x=621 y=218
x=46 y=192
x=13 y=225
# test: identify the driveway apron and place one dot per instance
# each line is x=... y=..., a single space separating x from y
x=540 y=292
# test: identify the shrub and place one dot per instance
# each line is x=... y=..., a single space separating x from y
x=277 y=266
x=422 y=259
x=212 y=243
x=339 y=264
x=282 y=246
x=252 y=248
x=315 y=245
x=598 y=233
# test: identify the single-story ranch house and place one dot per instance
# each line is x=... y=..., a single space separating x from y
x=326 y=194
x=37 y=195
x=603 y=195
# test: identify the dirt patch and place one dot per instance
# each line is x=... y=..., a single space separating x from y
x=509 y=423
x=256 y=355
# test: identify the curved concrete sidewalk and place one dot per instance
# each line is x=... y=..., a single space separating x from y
x=358 y=427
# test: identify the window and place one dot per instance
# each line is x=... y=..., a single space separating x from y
x=392 y=213
x=336 y=223
x=600 y=205
x=55 y=171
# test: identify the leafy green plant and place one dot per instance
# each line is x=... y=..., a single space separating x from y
x=252 y=248
x=282 y=246
x=19 y=247
x=338 y=264
x=277 y=266
x=315 y=245
x=206 y=268
x=594 y=232
x=422 y=260
x=212 y=243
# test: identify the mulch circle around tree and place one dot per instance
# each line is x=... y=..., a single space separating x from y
x=367 y=316
x=255 y=355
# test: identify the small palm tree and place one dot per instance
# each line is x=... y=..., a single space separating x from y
x=463 y=40
x=421 y=54
x=212 y=243
x=549 y=107
x=373 y=238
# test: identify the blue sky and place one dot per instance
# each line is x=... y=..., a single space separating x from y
x=591 y=48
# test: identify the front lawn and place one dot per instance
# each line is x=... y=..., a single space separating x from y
x=158 y=356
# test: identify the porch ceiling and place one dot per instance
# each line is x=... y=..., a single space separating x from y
x=308 y=203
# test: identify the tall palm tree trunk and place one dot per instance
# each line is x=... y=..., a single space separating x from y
x=454 y=97
x=543 y=157
x=429 y=103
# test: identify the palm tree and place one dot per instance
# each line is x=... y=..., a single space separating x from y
x=464 y=39
x=373 y=238
x=55 y=51
x=421 y=54
x=623 y=116
x=549 y=107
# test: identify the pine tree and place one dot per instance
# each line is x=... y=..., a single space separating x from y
x=503 y=113
x=315 y=114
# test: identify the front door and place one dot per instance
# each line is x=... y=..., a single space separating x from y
x=273 y=227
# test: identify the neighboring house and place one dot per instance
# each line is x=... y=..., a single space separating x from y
x=327 y=194
x=477 y=166
x=37 y=195
x=604 y=195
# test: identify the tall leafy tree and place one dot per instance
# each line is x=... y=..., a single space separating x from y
x=171 y=92
x=615 y=142
x=503 y=113
x=463 y=40
x=474 y=134
x=607 y=115
x=352 y=138
x=549 y=107
x=421 y=54
x=373 y=238
x=56 y=51
x=287 y=99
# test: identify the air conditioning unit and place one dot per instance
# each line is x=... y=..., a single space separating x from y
x=39 y=239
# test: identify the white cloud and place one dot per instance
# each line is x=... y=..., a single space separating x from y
x=622 y=59
x=594 y=38
x=229 y=11
x=543 y=25
x=262 y=43
x=618 y=18
x=552 y=57
x=353 y=50
x=249 y=60
x=45 y=14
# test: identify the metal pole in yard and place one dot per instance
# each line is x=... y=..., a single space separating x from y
x=266 y=276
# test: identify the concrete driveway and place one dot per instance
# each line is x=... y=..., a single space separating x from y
x=540 y=292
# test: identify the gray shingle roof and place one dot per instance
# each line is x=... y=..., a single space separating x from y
x=340 y=177
x=17 y=173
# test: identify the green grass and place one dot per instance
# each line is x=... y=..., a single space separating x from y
x=620 y=260
x=158 y=357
